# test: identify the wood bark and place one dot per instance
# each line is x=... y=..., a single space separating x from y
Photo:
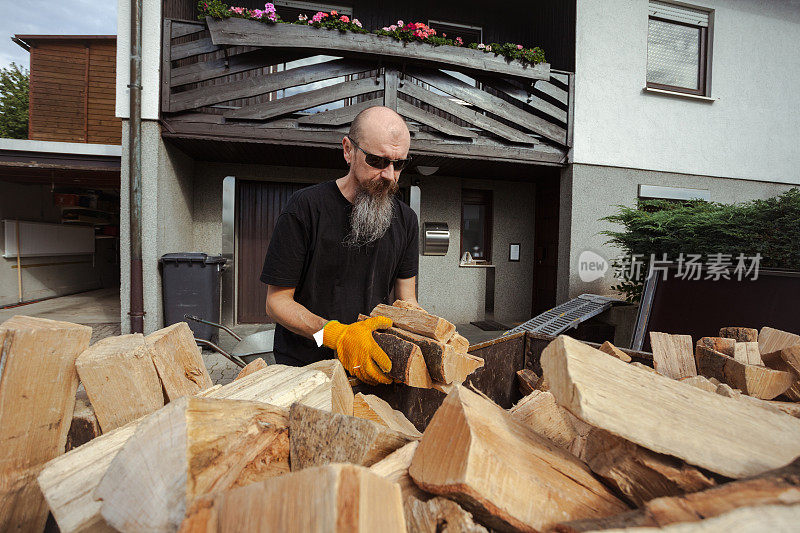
x=723 y=345
x=672 y=355
x=610 y=349
x=408 y=364
x=787 y=360
x=253 y=366
x=38 y=383
x=527 y=381
x=121 y=380
x=753 y=380
x=192 y=447
x=341 y=391
x=370 y=407
x=344 y=499
x=638 y=473
x=503 y=472
x=666 y=416
x=739 y=334
x=771 y=339
x=439 y=515
x=417 y=321
x=178 y=361
x=394 y=467
x=541 y=413
x=319 y=437
x=778 y=486
x=84 y=426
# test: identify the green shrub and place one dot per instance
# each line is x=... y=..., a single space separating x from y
x=768 y=227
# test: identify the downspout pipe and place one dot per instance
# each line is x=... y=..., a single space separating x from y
x=135 y=169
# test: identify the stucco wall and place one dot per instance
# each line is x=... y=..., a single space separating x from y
x=751 y=131
x=591 y=192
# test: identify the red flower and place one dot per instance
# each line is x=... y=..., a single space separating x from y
x=334 y=12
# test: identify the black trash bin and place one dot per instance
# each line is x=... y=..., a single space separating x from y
x=190 y=284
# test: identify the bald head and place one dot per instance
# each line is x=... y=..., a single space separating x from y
x=380 y=125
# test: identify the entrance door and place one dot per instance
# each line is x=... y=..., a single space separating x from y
x=258 y=204
x=545 y=269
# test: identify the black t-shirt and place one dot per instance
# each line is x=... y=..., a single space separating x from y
x=331 y=279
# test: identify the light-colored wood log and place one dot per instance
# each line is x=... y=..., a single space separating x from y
x=753 y=380
x=417 y=321
x=370 y=407
x=394 y=467
x=541 y=413
x=38 y=382
x=638 y=473
x=319 y=437
x=527 y=381
x=723 y=389
x=121 y=380
x=610 y=349
x=776 y=487
x=503 y=472
x=408 y=364
x=84 y=426
x=192 y=447
x=700 y=382
x=644 y=367
x=69 y=481
x=336 y=498
x=178 y=361
x=786 y=360
x=253 y=366
x=341 y=391
x=672 y=355
x=276 y=385
x=459 y=342
x=739 y=334
x=771 y=339
x=439 y=514
x=723 y=345
x=747 y=352
x=666 y=416
x=790 y=408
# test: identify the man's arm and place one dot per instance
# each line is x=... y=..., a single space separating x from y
x=295 y=317
x=406 y=289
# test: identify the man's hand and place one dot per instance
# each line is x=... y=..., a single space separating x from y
x=358 y=351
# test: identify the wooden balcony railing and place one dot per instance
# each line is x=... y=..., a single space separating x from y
x=238 y=79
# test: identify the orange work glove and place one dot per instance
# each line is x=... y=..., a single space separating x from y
x=357 y=350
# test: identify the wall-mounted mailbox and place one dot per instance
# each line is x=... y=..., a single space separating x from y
x=436 y=238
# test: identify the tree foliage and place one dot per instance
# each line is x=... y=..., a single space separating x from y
x=768 y=227
x=14 y=102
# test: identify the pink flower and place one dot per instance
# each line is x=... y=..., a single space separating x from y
x=481 y=46
x=357 y=23
x=238 y=10
x=385 y=28
x=519 y=47
x=459 y=41
x=269 y=7
x=334 y=12
x=392 y=27
x=344 y=18
x=400 y=23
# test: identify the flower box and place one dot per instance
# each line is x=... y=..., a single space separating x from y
x=243 y=32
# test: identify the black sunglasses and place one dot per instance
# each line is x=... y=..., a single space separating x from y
x=380 y=162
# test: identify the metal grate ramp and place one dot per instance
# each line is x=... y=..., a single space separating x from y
x=567 y=315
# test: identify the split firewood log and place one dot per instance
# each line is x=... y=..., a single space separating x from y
x=370 y=407
x=753 y=380
x=672 y=355
x=417 y=321
x=178 y=361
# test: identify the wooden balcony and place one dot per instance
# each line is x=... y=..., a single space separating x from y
x=237 y=82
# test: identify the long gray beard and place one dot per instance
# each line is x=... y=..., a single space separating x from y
x=371 y=217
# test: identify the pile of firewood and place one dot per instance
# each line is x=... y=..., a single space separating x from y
x=599 y=442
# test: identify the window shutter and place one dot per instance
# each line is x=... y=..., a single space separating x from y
x=678 y=13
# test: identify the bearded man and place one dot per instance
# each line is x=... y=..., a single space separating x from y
x=339 y=248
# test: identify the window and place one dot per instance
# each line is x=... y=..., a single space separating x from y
x=678 y=46
x=476 y=224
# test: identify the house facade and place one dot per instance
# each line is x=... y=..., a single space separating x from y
x=519 y=164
